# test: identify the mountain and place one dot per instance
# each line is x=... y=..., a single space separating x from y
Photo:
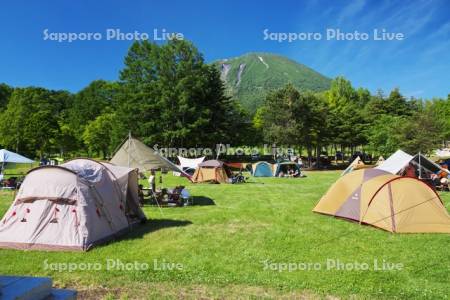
x=251 y=76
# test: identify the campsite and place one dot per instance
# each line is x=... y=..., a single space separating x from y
x=237 y=152
x=265 y=226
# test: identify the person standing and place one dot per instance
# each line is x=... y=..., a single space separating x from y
x=151 y=181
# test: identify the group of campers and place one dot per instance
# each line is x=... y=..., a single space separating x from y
x=418 y=166
x=290 y=172
x=438 y=180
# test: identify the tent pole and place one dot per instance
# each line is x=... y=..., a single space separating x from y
x=420 y=166
x=218 y=152
x=129 y=144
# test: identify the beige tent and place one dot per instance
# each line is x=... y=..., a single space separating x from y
x=356 y=164
x=391 y=202
x=380 y=161
x=135 y=154
x=74 y=206
x=214 y=171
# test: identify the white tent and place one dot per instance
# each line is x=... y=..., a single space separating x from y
x=398 y=161
x=188 y=163
x=443 y=153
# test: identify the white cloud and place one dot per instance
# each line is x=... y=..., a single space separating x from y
x=352 y=9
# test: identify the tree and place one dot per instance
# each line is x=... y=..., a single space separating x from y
x=5 y=93
x=290 y=117
x=177 y=98
x=89 y=103
x=30 y=121
x=397 y=104
x=421 y=133
x=97 y=134
x=439 y=109
x=280 y=124
x=364 y=97
x=383 y=135
x=347 y=122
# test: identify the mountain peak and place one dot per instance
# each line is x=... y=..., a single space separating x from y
x=251 y=76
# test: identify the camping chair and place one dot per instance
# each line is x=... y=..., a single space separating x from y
x=443 y=185
x=156 y=196
x=10 y=183
x=238 y=178
x=175 y=196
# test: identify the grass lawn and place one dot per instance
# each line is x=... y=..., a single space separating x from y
x=221 y=250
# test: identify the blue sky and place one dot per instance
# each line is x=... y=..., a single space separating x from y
x=419 y=65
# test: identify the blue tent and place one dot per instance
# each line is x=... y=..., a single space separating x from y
x=11 y=157
x=283 y=167
x=262 y=169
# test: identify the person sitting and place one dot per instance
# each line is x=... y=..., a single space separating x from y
x=175 y=196
x=410 y=171
x=10 y=183
x=281 y=174
x=290 y=172
x=444 y=184
x=44 y=161
x=435 y=179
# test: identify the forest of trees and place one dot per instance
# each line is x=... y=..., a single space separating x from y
x=167 y=95
x=344 y=118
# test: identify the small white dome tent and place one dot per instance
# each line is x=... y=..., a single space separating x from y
x=188 y=165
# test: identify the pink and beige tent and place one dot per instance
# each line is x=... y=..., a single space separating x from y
x=74 y=206
x=390 y=202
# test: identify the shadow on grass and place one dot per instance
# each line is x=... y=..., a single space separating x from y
x=194 y=201
x=202 y=200
x=153 y=225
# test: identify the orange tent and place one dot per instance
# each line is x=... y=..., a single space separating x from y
x=212 y=171
x=390 y=202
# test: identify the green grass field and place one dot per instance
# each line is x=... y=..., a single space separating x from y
x=221 y=248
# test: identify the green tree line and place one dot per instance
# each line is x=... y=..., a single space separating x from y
x=167 y=95
x=345 y=119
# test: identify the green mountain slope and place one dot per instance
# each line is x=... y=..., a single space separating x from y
x=249 y=77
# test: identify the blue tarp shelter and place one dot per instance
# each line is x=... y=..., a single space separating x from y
x=11 y=157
